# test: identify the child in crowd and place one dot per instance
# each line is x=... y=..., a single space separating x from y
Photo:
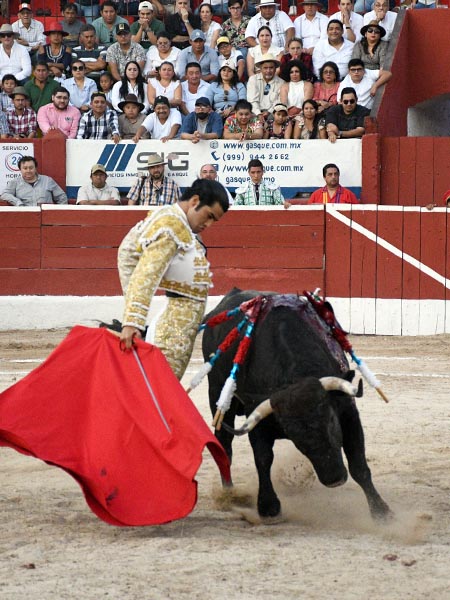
x=281 y=126
x=105 y=85
x=131 y=118
x=9 y=82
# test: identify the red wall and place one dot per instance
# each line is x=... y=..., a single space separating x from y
x=72 y=251
x=419 y=67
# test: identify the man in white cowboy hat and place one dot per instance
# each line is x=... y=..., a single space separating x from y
x=31 y=31
x=333 y=48
x=279 y=22
x=263 y=88
x=98 y=191
x=21 y=119
x=311 y=26
x=154 y=189
x=14 y=58
x=351 y=20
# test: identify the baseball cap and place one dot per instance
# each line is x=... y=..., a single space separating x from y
x=223 y=39
x=25 y=6
x=147 y=5
x=98 y=167
x=161 y=100
x=202 y=101
x=197 y=34
x=122 y=28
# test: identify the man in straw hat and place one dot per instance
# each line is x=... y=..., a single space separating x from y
x=163 y=252
x=98 y=191
x=21 y=119
x=263 y=88
x=154 y=189
x=279 y=22
x=14 y=58
x=311 y=26
x=31 y=31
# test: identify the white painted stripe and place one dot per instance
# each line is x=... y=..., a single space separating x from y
x=22 y=360
x=384 y=244
x=424 y=375
x=9 y=373
x=421 y=358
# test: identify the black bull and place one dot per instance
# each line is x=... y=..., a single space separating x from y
x=289 y=354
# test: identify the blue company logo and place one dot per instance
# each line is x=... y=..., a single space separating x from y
x=115 y=157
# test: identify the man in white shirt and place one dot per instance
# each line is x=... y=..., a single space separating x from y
x=14 y=59
x=311 y=26
x=162 y=124
x=364 y=82
x=31 y=31
x=334 y=48
x=98 y=192
x=383 y=15
x=352 y=21
x=279 y=22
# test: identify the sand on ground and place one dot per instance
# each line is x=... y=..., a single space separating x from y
x=326 y=546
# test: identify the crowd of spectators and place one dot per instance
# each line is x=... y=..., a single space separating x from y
x=201 y=63
x=175 y=72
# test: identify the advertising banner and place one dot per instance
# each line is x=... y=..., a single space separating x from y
x=10 y=154
x=294 y=165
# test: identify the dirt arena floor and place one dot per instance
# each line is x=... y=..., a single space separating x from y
x=326 y=546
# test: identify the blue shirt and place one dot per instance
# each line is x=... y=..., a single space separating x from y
x=214 y=124
x=78 y=96
x=209 y=63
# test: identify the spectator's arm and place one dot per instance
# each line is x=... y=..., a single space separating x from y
x=9 y=194
x=382 y=80
x=59 y=196
x=25 y=63
x=43 y=120
x=114 y=70
x=74 y=126
x=81 y=128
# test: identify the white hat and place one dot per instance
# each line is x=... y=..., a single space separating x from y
x=147 y=5
x=267 y=3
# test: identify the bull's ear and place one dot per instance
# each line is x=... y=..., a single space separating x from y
x=349 y=375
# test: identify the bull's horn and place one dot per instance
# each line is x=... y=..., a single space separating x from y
x=337 y=384
x=262 y=411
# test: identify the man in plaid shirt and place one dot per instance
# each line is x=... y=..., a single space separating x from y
x=22 y=120
x=156 y=189
x=100 y=123
x=256 y=191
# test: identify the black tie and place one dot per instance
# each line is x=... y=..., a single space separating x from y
x=257 y=192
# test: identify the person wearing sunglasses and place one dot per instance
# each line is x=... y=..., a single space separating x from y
x=372 y=49
x=382 y=15
x=364 y=81
x=346 y=120
x=14 y=58
x=332 y=192
x=80 y=87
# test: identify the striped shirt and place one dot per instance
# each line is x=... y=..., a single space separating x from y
x=103 y=128
x=146 y=193
x=21 y=125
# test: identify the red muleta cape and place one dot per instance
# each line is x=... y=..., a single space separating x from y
x=120 y=423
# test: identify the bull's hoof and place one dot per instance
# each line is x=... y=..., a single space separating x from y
x=252 y=517
x=269 y=510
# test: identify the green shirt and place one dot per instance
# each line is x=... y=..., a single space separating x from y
x=155 y=25
x=38 y=96
x=106 y=36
